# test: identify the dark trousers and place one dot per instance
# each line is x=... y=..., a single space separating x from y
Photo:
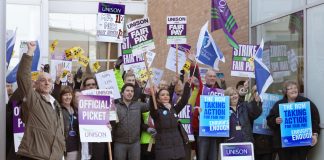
x=127 y=151
x=99 y=151
x=294 y=153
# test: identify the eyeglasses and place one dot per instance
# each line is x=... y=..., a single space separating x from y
x=90 y=84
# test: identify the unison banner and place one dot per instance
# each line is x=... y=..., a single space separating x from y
x=176 y=29
x=260 y=124
x=214 y=117
x=93 y=118
x=140 y=35
x=104 y=92
x=296 y=126
x=235 y=151
x=110 y=22
x=242 y=61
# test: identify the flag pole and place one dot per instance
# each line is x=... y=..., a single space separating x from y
x=108 y=56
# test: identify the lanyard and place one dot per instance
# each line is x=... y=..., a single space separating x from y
x=71 y=121
x=236 y=114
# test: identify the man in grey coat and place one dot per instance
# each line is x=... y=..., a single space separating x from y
x=126 y=132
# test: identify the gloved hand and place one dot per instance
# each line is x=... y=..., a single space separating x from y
x=119 y=62
x=78 y=75
x=152 y=131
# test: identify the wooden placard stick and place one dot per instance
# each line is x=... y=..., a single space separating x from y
x=109 y=151
x=108 y=56
x=150 y=81
x=177 y=60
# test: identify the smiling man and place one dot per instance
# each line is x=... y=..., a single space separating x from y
x=126 y=133
x=44 y=134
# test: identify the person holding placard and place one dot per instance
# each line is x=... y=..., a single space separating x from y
x=207 y=147
x=97 y=151
x=291 y=95
x=169 y=139
x=242 y=115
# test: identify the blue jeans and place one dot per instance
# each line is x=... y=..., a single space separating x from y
x=207 y=148
x=124 y=150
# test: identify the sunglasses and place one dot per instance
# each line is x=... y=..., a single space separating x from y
x=90 y=84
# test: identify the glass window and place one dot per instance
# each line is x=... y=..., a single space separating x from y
x=283 y=49
x=73 y=30
x=263 y=9
x=315 y=59
x=25 y=30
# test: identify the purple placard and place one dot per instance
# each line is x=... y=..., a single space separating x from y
x=237 y=150
x=18 y=125
x=182 y=47
x=111 y=8
x=93 y=110
x=132 y=59
x=140 y=35
x=176 y=29
x=212 y=91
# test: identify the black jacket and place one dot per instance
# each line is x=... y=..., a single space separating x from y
x=248 y=112
x=274 y=113
x=169 y=143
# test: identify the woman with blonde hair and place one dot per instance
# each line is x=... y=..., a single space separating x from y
x=242 y=115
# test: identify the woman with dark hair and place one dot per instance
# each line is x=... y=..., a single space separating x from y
x=71 y=124
x=169 y=140
x=291 y=95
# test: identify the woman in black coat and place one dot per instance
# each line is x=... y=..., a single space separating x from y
x=291 y=95
x=169 y=144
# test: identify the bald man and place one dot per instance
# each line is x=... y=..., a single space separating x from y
x=44 y=133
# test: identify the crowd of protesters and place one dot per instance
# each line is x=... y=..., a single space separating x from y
x=49 y=110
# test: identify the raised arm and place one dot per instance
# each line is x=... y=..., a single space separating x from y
x=184 y=98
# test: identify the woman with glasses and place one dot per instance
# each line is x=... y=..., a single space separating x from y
x=291 y=95
x=242 y=115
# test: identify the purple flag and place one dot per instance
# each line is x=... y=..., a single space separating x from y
x=221 y=17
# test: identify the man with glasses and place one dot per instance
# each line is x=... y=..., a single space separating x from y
x=44 y=133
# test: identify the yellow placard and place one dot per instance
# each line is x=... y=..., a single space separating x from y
x=65 y=72
x=186 y=66
x=83 y=60
x=77 y=52
x=34 y=75
x=143 y=75
x=69 y=54
x=53 y=46
x=96 y=66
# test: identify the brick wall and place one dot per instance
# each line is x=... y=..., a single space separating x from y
x=197 y=12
